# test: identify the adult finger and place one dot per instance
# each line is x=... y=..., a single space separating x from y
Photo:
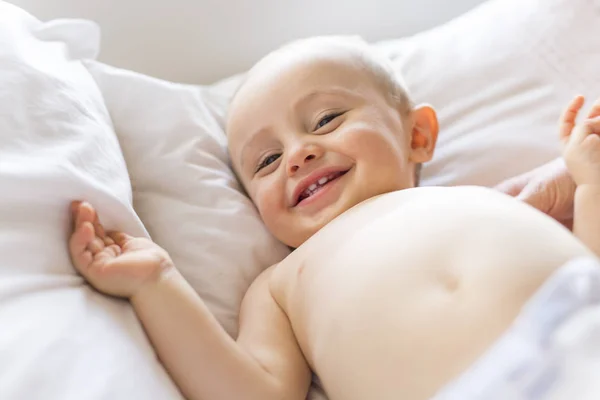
x=513 y=186
x=538 y=197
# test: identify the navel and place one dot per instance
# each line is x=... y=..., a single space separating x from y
x=449 y=281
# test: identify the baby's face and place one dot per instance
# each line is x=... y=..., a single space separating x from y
x=312 y=136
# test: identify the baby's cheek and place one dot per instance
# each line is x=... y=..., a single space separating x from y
x=384 y=160
x=376 y=145
x=267 y=203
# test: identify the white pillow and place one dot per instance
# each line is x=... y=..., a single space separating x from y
x=183 y=189
x=58 y=338
x=499 y=77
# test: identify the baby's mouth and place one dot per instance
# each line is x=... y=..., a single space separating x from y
x=315 y=187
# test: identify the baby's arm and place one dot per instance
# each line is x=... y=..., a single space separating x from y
x=264 y=363
x=206 y=363
x=586 y=224
x=582 y=156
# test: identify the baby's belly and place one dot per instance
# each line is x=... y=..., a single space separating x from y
x=403 y=292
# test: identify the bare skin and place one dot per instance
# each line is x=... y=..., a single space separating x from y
x=550 y=188
x=391 y=290
x=582 y=156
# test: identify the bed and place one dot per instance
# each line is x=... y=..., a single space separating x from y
x=150 y=153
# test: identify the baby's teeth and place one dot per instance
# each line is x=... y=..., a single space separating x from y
x=322 y=180
x=312 y=187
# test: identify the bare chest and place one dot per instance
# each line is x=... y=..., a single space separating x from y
x=378 y=285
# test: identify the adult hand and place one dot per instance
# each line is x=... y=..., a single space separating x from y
x=549 y=188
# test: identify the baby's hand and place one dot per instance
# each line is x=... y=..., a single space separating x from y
x=581 y=143
x=114 y=263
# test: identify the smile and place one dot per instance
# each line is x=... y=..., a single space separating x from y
x=315 y=187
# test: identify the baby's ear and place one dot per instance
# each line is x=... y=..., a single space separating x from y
x=424 y=133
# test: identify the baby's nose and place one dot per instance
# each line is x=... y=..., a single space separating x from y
x=296 y=166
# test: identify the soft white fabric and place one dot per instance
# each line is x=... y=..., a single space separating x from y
x=58 y=338
x=499 y=77
x=551 y=351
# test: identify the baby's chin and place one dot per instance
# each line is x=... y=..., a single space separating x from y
x=296 y=232
x=294 y=237
x=300 y=230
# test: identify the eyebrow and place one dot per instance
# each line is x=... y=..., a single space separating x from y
x=299 y=104
x=253 y=138
x=332 y=90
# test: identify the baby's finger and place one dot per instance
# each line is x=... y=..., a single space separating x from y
x=74 y=208
x=568 y=117
x=96 y=245
x=81 y=237
x=108 y=241
x=78 y=245
x=120 y=238
x=99 y=228
x=587 y=127
x=113 y=250
x=97 y=225
x=595 y=111
x=85 y=213
x=84 y=261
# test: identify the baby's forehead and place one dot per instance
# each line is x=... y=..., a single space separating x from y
x=307 y=58
x=260 y=97
x=286 y=76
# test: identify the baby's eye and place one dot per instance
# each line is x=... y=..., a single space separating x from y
x=326 y=119
x=267 y=161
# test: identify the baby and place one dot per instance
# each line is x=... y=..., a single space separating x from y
x=392 y=291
